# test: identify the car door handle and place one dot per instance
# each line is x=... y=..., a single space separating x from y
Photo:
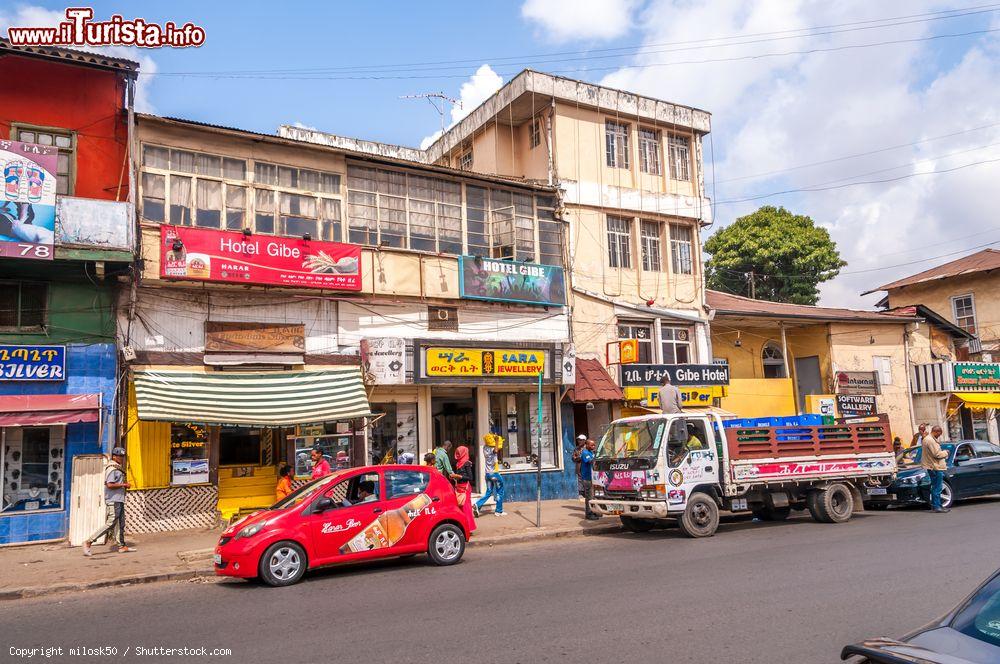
x=708 y=469
x=436 y=499
x=376 y=510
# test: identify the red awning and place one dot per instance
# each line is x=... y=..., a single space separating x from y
x=593 y=383
x=41 y=409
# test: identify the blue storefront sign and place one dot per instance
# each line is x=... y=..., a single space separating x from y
x=511 y=281
x=32 y=363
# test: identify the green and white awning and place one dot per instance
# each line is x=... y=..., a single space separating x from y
x=260 y=398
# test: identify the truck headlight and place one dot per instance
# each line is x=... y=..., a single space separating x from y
x=598 y=492
x=654 y=491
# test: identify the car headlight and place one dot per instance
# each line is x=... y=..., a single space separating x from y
x=912 y=480
x=598 y=492
x=250 y=530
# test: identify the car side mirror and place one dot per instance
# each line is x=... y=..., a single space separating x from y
x=323 y=504
x=962 y=459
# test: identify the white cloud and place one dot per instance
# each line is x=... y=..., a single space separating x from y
x=473 y=92
x=33 y=16
x=773 y=113
x=565 y=20
x=302 y=125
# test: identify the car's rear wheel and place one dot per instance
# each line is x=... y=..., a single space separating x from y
x=637 y=525
x=446 y=544
x=834 y=504
x=283 y=564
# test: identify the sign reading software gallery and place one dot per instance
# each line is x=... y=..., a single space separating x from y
x=511 y=281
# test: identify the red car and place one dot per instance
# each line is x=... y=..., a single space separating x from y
x=352 y=515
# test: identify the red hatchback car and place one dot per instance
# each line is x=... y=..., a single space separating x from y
x=352 y=515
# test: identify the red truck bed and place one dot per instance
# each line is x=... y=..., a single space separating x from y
x=825 y=440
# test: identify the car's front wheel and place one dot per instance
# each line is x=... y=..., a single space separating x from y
x=947 y=495
x=446 y=544
x=283 y=564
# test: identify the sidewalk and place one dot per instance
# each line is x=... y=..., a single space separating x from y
x=27 y=571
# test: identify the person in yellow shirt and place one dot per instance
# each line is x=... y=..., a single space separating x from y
x=492 y=444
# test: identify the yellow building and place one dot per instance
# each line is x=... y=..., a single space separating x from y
x=782 y=357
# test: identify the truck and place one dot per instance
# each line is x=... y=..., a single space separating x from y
x=690 y=466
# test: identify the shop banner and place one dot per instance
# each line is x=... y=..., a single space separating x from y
x=690 y=396
x=32 y=363
x=972 y=376
x=461 y=362
x=28 y=204
x=650 y=375
x=384 y=360
x=857 y=382
x=200 y=254
x=853 y=405
x=254 y=337
x=510 y=281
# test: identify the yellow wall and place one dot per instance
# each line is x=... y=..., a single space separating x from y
x=148 y=448
x=985 y=289
x=746 y=360
x=759 y=397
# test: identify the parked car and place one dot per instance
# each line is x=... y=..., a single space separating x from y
x=968 y=634
x=973 y=470
x=352 y=515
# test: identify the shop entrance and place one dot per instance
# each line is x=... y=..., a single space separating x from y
x=453 y=417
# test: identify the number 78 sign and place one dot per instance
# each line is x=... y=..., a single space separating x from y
x=27 y=200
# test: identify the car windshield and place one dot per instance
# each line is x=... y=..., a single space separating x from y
x=631 y=438
x=304 y=492
x=911 y=457
x=980 y=618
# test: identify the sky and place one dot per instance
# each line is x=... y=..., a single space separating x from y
x=887 y=112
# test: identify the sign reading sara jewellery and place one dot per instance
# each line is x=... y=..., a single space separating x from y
x=384 y=360
x=459 y=362
x=200 y=254
x=32 y=363
x=28 y=201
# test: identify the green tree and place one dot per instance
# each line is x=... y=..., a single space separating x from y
x=772 y=254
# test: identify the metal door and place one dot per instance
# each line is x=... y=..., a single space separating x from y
x=808 y=378
x=86 y=498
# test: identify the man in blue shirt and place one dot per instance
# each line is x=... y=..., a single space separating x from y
x=587 y=477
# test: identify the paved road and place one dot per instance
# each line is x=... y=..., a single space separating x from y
x=788 y=592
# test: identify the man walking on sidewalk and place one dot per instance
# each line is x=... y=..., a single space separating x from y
x=587 y=477
x=114 y=504
x=934 y=460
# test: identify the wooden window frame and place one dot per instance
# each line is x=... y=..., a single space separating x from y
x=17 y=127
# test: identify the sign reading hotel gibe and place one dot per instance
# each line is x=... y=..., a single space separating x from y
x=496 y=362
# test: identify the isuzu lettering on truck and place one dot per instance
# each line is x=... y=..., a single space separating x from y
x=688 y=467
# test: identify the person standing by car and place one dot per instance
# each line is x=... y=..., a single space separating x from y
x=918 y=437
x=934 y=460
x=581 y=444
x=114 y=504
x=441 y=460
x=587 y=477
x=284 y=482
x=321 y=467
x=463 y=483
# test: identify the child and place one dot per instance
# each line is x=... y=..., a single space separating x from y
x=430 y=459
x=284 y=482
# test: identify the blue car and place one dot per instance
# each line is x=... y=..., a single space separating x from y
x=973 y=470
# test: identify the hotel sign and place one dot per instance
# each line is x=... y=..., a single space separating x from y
x=474 y=362
x=511 y=281
x=681 y=375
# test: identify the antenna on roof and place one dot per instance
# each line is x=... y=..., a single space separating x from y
x=438 y=106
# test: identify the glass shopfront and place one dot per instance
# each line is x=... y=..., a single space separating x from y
x=33 y=466
x=394 y=434
x=514 y=415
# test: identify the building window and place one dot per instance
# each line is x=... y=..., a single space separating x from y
x=619 y=242
x=65 y=141
x=33 y=466
x=154 y=196
x=649 y=234
x=23 y=306
x=535 y=133
x=883 y=367
x=208 y=210
x=773 y=360
x=680 y=158
x=514 y=415
x=676 y=345
x=465 y=160
x=681 y=249
x=240 y=446
x=616 y=143
x=649 y=151
x=298 y=215
x=643 y=332
x=964 y=309
x=180 y=200
x=236 y=207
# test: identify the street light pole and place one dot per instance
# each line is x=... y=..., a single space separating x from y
x=538 y=470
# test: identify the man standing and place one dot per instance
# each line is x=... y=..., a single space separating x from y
x=918 y=437
x=114 y=504
x=670 y=397
x=321 y=467
x=933 y=460
x=441 y=460
x=581 y=443
x=587 y=478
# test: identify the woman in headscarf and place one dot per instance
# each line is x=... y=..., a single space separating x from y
x=464 y=472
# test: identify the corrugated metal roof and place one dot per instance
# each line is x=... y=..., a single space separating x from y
x=981 y=261
x=86 y=58
x=726 y=303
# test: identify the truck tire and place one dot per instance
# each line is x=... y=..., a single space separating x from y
x=700 y=517
x=834 y=504
x=767 y=513
x=637 y=525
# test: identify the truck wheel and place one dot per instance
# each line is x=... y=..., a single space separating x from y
x=283 y=564
x=637 y=525
x=772 y=513
x=700 y=517
x=833 y=504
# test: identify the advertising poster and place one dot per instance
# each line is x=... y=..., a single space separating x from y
x=857 y=382
x=510 y=281
x=28 y=204
x=384 y=360
x=852 y=405
x=32 y=363
x=199 y=254
x=188 y=454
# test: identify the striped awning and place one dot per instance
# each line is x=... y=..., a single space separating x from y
x=260 y=398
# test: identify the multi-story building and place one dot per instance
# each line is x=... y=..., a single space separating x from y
x=66 y=235
x=629 y=173
x=356 y=296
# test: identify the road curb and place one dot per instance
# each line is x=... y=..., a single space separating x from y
x=189 y=556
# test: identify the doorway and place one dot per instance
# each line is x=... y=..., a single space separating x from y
x=453 y=417
x=808 y=378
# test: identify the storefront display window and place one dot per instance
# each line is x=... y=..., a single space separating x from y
x=514 y=415
x=239 y=446
x=188 y=454
x=336 y=450
x=33 y=468
x=394 y=435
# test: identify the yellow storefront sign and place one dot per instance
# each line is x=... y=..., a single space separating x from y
x=462 y=362
x=690 y=396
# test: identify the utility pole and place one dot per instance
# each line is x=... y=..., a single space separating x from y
x=753 y=286
x=430 y=97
